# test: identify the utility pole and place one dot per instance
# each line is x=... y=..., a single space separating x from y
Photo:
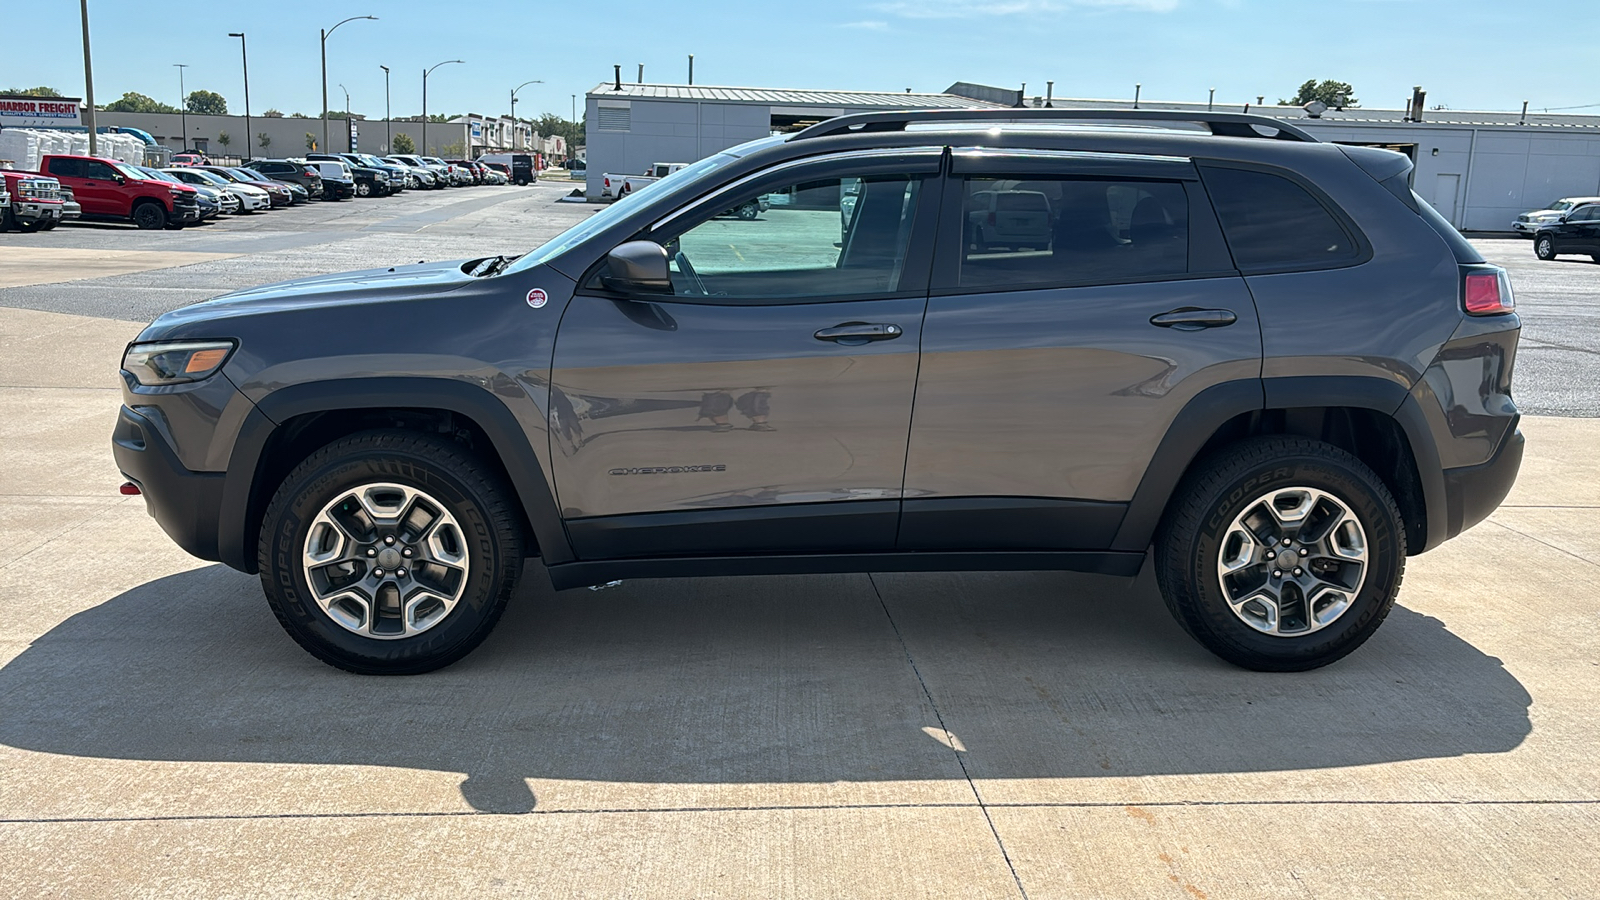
x=325 y=34
x=245 y=55
x=514 y=108
x=88 y=78
x=388 y=139
x=183 y=105
x=347 y=118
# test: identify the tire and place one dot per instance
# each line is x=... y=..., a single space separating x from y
x=749 y=211
x=50 y=225
x=363 y=189
x=1198 y=541
x=473 y=514
x=150 y=216
x=1544 y=247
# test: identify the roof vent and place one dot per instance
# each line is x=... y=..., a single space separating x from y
x=1315 y=109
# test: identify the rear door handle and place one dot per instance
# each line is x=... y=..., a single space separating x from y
x=855 y=333
x=1192 y=319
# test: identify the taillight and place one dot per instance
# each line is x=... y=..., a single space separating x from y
x=1487 y=293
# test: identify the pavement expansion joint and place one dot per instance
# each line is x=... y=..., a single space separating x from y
x=950 y=739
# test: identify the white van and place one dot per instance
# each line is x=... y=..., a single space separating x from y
x=337 y=180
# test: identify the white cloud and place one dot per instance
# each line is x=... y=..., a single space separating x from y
x=868 y=25
x=970 y=9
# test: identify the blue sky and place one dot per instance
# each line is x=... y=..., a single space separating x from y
x=1470 y=54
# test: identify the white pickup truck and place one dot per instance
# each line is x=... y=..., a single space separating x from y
x=618 y=186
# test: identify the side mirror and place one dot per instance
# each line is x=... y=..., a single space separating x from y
x=638 y=267
x=117 y=176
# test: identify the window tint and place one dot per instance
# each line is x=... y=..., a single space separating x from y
x=829 y=238
x=66 y=168
x=1584 y=214
x=1272 y=223
x=1043 y=231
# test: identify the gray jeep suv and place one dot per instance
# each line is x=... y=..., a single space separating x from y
x=955 y=340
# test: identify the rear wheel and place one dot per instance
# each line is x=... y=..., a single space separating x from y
x=749 y=211
x=150 y=216
x=363 y=189
x=390 y=553
x=1544 y=247
x=1281 y=554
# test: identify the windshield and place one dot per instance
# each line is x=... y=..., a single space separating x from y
x=1560 y=205
x=131 y=172
x=162 y=176
x=211 y=177
x=663 y=192
x=253 y=175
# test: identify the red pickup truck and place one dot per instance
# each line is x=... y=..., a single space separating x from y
x=35 y=201
x=106 y=188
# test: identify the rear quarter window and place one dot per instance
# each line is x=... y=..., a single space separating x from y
x=1273 y=224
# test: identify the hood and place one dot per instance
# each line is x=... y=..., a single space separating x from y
x=390 y=285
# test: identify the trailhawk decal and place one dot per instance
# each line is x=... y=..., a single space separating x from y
x=537 y=298
x=667 y=470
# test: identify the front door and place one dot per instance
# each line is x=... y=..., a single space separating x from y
x=764 y=405
x=1056 y=356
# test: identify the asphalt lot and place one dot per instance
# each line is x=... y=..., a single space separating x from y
x=954 y=735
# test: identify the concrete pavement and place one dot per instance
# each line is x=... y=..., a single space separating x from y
x=880 y=736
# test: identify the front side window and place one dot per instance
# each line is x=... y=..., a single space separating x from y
x=99 y=170
x=1272 y=223
x=1037 y=232
x=834 y=237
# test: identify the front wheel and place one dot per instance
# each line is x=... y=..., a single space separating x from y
x=749 y=211
x=150 y=216
x=390 y=553
x=1544 y=247
x=1281 y=554
x=363 y=190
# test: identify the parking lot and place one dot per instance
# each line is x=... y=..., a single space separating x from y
x=944 y=735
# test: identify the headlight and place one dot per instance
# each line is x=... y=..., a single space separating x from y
x=175 y=362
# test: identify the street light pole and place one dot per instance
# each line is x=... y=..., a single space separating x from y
x=245 y=55
x=346 y=115
x=425 y=73
x=183 y=105
x=514 y=108
x=388 y=139
x=88 y=76
x=325 y=74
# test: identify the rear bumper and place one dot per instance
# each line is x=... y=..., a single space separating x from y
x=1473 y=492
x=187 y=505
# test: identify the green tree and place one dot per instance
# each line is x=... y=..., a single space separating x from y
x=455 y=149
x=272 y=114
x=206 y=103
x=224 y=139
x=311 y=141
x=1336 y=94
x=298 y=116
x=40 y=91
x=264 y=139
x=404 y=144
x=135 y=102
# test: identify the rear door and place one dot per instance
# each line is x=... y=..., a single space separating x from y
x=764 y=405
x=1054 y=364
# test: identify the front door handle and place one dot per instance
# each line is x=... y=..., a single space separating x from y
x=1192 y=319
x=856 y=333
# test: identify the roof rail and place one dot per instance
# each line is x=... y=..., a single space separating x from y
x=1222 y=124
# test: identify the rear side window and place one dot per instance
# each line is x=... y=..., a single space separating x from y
x=1041 y=232
x=1272 y=223
x=66 y=168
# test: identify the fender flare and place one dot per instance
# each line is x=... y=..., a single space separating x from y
x=1213 y=407
x=528 y=478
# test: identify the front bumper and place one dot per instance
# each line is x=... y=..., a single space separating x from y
x=186 y=214
x=1529 y=229
x=34 y=210
x=1473 y=492
x=71 y=210
x=187 y=505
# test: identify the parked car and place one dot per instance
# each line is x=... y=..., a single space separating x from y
x=292 y=172
x=458 y=176
x=70 y=210
x=473 y=172
x=618 y=186
x=441 y=172
x=209 y=197
x=1019 y=220
x=297 y=192
x=1530 y=222
x=34 y=201
x=113 y=190
x=190 y=158
x=1577 y=231
x=417 y=177
x=338 y=182
x=279 y=193
x=250 y=198
x=1207 y=362
x=369 y=182
x=399 y=176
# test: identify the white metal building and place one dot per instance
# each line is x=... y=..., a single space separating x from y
x=1480 y=169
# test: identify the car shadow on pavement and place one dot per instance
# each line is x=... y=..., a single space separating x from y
x=814 y=679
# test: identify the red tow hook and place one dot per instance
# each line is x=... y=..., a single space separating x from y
x=129 y=489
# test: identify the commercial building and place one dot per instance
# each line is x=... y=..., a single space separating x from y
x=1480 y=169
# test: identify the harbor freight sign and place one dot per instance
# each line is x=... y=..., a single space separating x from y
x=32 y=112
